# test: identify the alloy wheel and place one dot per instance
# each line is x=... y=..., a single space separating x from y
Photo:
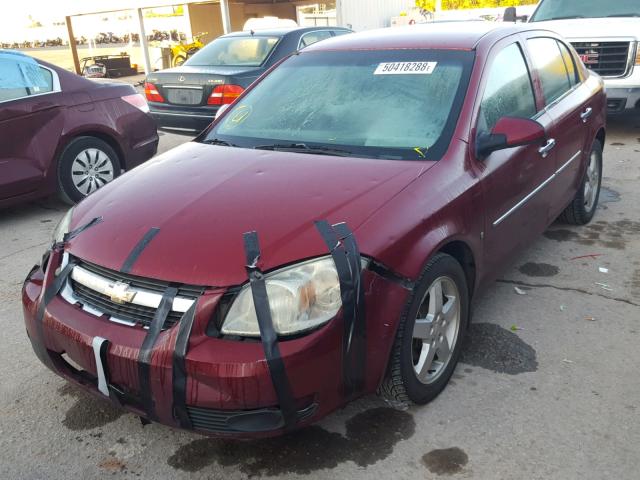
x=436 y=330
x=591 y=182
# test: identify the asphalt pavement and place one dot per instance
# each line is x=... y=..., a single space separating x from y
x=548 y=387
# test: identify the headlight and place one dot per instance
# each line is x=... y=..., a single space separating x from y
x=301 y=297
x=63 y=227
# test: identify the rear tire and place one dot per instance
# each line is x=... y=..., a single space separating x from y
x=421 y=365
x=86 y=164
x=584 y=205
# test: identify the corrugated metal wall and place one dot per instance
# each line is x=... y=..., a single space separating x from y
x=367 y=14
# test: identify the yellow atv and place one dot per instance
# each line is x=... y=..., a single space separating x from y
x=181 y=51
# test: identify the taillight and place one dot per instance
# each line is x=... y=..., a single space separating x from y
x=137 y=101
x=152 y=93
x=224 y=94
x=638 y=54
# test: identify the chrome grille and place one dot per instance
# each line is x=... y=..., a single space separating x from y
x=92 y=287
x=128 y=312
x=184 y=96
x=608 y=59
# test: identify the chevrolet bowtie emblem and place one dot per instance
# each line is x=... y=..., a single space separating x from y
x=119 y=293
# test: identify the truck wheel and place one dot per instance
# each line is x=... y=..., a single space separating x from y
x=86 y=164
x=429 y=337
x=583 y=206
x=177 y=61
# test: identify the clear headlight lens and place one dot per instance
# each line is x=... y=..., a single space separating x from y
x=63 y=226
x=301 y=297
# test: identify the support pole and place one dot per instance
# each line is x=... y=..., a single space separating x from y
x=226 y=19
x=144 y=45
x=72 y=44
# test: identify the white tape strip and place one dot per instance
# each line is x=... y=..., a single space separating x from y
x=102 y=379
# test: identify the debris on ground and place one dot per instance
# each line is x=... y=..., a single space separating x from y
x=566 y=360
x=563 y=308
x=590 y=319
x=515 y=328
x=604 y=286
x=603 y=270
x=592 y=256
x=519 y=291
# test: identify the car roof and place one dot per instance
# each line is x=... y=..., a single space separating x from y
x=457 y=36
x=280 y=32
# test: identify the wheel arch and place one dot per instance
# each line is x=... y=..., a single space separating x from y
x=601 y=136
x=463 y=254
x=101 y=135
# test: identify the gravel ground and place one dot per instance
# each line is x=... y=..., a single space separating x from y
x=547 y=388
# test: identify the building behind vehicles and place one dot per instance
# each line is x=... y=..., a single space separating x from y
x=606 y=36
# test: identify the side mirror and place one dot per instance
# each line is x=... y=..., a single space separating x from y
x=509 y=132
x=221 y=110
x=510 y=14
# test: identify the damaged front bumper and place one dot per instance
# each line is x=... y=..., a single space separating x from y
x=227 y=386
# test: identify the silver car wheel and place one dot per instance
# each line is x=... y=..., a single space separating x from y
x=91 y=169
x=591 y=182
x=436 y=330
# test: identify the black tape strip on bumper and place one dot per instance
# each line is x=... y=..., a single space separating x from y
x=346 y=256
x=137 y=250
x=179 y=371
x=268 y=334
x=144 y=356
x=50 y=292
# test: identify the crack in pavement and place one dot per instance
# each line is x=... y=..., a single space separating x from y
x=567 y=289
x=24 y=250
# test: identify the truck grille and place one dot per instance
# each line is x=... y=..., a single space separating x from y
x=184 y=96
x=89 y=284
x=608 y=59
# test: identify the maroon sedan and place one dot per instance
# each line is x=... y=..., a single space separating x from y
x=328 y=231
x=63 y=133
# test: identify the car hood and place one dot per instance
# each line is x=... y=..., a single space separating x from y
x=588 y=28
x=203 y=198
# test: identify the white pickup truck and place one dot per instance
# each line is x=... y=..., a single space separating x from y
x=606 y=35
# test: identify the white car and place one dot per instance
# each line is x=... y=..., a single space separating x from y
x=606 y=35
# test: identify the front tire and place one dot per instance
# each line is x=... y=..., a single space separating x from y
x=429 y=337
x=584 y=205
x=86 y=165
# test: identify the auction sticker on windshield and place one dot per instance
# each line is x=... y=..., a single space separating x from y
x=406 y=68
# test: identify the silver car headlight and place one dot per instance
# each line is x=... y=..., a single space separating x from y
x=63 y=226
x=302 y=297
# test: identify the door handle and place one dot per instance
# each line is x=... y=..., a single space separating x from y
x=550 y=145
x=586 y=114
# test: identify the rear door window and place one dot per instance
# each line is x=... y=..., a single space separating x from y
x=509 y=91
x=551 y=68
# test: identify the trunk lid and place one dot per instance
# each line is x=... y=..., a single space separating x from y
x=191 y=86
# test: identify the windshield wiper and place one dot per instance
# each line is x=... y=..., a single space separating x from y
x=624 y=15
x=304 y=148
x=217 y=141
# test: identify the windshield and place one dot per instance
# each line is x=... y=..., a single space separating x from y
x=397 y=104
x=564 y=9
x=234 y=51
